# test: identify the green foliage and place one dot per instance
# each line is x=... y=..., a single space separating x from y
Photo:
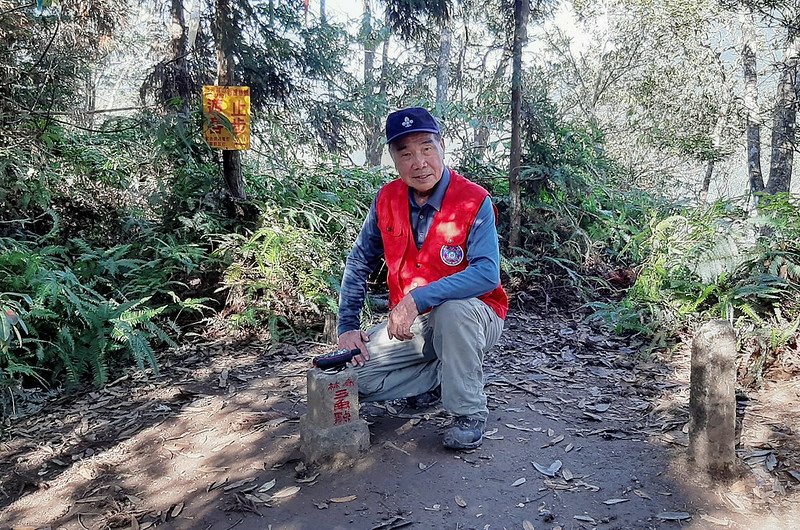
x=87 y=312
x=286 y=272
x=580 y=221
x=719 y=262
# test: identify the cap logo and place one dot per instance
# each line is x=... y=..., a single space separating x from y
x=407 y=122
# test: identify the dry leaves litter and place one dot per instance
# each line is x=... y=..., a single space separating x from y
x=549 y=471
x=339 y=500
x=714 y=520
x=285 y=492
x=674 y=516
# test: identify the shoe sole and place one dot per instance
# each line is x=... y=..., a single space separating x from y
x=417 y=406
x=462 y=447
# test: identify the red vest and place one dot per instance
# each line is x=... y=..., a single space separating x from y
x=444 y=251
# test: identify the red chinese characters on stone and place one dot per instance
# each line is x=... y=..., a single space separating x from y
x=341 y=404
x=342 y=417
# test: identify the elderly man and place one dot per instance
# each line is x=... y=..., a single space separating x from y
x=436 y=231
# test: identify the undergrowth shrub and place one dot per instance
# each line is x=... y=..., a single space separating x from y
x=285 y=274
x=719 y=261
x=92 y=311
x=581 y=226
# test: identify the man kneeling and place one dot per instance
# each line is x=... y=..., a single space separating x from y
x=436 y=230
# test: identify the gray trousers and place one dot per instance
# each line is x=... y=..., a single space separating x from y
x=448 y=348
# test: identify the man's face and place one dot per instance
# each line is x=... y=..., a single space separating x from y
x=419 y=158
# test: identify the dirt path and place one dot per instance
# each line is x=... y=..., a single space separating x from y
x=212 y=443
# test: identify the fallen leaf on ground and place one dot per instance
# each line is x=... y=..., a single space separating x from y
x=519 y=482
x=512 y=426
x=286 y=492
x=407 y=426
x=614 y=501
x=460 y=501
x=548 y=471
x=527 y=525
x=584 y=518
x=554 y=441
x=568 y=448
x=277 y=421
x=238 y=483
x=267 y=486
x=309 y=479
x=434 y=508
x=176 y=511
x=393 y=446
x=348 y=498
x=714 y=520
x=640 y=493
x=674 y=516
x=258 y=498
x=216 y=484
x=567 y=474
x=394 y=522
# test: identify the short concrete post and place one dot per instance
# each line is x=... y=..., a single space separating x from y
x=712 y=398
x=332 y=428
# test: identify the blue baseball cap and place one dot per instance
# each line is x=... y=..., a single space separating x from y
x=410 y=120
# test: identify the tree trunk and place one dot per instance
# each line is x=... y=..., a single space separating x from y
x=372 y=125
x=443 y=70
x=521 y=11
x=323 y=15
x=707 y=181
x=179 y=47
x=231 y=160
x=716 y=142
x=481 y=140
x=783 y=129
x=751 y=105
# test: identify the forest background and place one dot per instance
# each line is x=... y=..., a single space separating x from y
x=623 y=143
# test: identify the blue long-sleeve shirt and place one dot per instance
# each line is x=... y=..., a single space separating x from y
x=483 y=256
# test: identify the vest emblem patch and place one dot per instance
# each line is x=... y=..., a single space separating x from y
x=451 y=255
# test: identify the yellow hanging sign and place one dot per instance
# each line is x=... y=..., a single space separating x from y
x=227 y=117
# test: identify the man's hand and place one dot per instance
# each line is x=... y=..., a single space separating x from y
x=353 y=339
x=401 y=318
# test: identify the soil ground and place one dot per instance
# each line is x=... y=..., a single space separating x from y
x=212 y=443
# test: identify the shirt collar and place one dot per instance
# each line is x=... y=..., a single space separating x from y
x=436 y=198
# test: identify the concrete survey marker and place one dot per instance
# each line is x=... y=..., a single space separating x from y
x=332 y=429
x=712 y=399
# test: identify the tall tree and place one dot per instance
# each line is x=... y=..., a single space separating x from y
x=753 y=119
x=785 y=117
x=522 y=9
x=224 y=27
x=179 y=48
x=443 y=69
x=371 y=120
